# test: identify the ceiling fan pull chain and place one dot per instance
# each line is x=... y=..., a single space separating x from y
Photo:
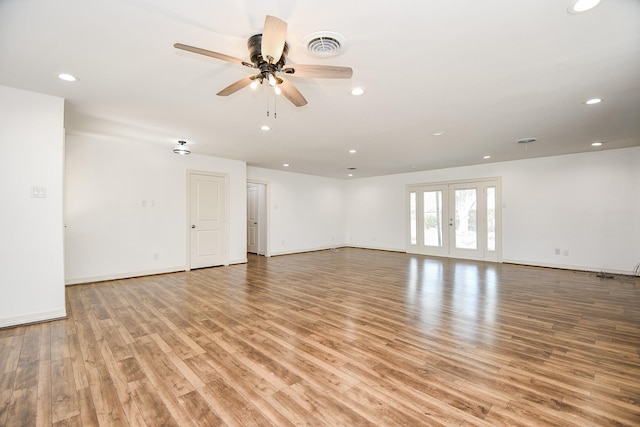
x=275 y=106
x=267 y=103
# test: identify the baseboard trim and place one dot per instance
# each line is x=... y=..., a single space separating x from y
x=567 y=267
x=378 y=248
x=128 y=275
x=302 y=251
x=26 y=319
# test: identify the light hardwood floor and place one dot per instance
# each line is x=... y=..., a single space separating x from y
x=351 y=338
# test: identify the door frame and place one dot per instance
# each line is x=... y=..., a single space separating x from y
x=267 y=224
x=448 y=184
x=187 y=226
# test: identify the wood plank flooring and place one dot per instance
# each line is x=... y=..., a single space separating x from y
x=347 y=338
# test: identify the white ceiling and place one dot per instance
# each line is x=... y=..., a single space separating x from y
x=486 y=72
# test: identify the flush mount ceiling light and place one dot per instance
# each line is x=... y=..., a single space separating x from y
x=593 y=101
x=352 y=151
x=181 y=148
x=357 y=91
x=286 y=165
x=265 y=128
x=596 y=144
x=486 y=157
x=438 y=133
x=579 y=6
x=67 y=77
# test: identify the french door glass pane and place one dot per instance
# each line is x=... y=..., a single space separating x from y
x=433 y=218
x=466 y=219
x=491 y=218
x=413 y=209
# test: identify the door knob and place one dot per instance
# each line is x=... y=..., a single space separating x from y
x=193 y=226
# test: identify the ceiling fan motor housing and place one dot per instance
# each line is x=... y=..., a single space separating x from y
x=255 y=53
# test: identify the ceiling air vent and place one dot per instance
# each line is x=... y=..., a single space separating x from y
x=526 y=140
x=324 y=44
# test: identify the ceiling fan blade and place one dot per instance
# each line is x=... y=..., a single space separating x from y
x=273 y=38
x=212 y=54
x=292 y=94
x=234 y=87
x=319 y=71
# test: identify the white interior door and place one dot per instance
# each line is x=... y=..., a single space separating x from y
x=253 y=219
x=208 y=220
x=456 y=219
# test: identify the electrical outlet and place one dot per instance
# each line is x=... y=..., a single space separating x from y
x=557 y=251
x=39 y=192
x=566 y=252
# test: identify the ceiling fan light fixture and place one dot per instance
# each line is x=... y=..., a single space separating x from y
x=272 y=80
x=579 y=6
x=254 y=84
x=277 y=90
x=181 y=148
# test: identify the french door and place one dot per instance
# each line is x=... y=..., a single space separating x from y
x=459 y=220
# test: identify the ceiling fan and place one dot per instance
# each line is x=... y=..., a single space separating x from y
x=268 y=52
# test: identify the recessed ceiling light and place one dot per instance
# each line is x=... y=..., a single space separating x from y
x=593 y=101
x=352 y=151
x=486 y=157
x=579 y=6
x=67 y=77
x=265 y=128
x=286 y=165
x=596 y=144
x=438 y=133
x=357 y=91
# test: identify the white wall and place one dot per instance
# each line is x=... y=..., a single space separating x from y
x=31 y=237
x=588 y=204
x=125 y=203
x=305 y=212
